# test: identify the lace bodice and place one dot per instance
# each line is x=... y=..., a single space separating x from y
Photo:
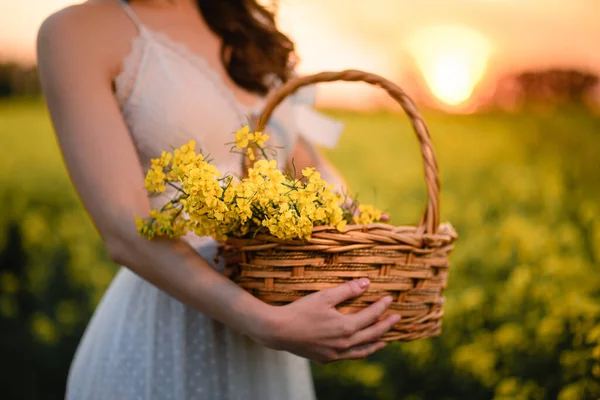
x=169 y=95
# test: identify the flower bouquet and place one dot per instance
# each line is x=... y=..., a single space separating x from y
x=266 y=200
x=283 y=237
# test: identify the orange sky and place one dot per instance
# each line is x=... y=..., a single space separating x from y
x=391 y=37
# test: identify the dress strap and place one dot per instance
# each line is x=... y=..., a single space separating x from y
x=131 y=14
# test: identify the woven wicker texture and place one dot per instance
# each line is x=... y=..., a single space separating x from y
x=409 y=263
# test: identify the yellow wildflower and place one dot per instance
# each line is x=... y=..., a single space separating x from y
x=260 y=138
x=155 y=179
x=368 y=215
x=242 y=138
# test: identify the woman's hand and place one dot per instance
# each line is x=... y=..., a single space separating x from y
x=312 y=327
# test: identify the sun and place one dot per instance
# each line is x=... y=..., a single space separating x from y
x=453 y=59
x=450 y=77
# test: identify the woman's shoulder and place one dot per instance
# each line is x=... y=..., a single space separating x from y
x=92 y=30
x=92 y=20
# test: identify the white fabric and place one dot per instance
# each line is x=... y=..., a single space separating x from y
x=307 y=119
x=141 y=343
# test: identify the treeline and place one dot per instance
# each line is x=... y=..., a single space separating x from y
x=18 y=80
x=548 y=86
x=554 y=87
x=557 y=85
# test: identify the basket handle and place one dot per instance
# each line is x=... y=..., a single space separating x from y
x=431 y=218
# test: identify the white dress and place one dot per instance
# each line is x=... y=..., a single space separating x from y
x=141 y=343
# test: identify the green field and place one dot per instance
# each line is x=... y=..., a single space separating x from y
x=522 y=314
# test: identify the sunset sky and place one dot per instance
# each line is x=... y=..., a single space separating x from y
x=453 y=44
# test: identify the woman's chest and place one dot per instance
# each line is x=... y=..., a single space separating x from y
x=175 y=99
x=175 y=96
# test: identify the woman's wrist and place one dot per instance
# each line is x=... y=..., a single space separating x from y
x=258 y=319
x=265 y=325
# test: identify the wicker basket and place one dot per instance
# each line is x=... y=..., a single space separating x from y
x=410 y=263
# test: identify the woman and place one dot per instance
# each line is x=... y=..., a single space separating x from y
x=123 y=82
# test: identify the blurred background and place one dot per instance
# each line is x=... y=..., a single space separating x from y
x=510 y=92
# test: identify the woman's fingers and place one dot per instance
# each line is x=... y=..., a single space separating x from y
x=371 y=314
x=374 y=332
x=360 y=351
x=353 y=323
x=346 y=291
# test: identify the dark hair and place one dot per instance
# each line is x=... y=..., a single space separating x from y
x=254 y=52
x=256 y=55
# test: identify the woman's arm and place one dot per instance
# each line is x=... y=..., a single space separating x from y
x=104 y=167
x=76 y=67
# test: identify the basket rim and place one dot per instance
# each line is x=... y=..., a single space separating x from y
x=394 y=235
